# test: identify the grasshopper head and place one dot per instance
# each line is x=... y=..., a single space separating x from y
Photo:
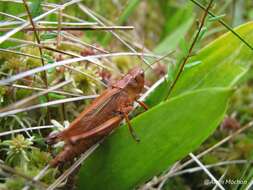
x=132 y=82
x=135 y=84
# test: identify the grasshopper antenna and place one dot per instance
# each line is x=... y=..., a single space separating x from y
x=142 y=57
x=160 y=59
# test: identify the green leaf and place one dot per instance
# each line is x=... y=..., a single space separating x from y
x=158 y=94
x=55 y=96
x=211 y=18
x=36 y=8
x=176 y=15
x=48 y=35
x=171 y=41
x=130 y=8
x=223 y=63
x=168 y=132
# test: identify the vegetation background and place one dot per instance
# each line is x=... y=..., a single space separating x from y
x=197 y=133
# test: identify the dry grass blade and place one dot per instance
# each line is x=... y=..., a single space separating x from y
x=56 y=50
x=68 y=23
x=177 y=168
x=43 y=89
x=14 y=31
x=12 y=16
x=74 y=28
x=56 y=102
x=73 y=167
x=28 y=99
x=65 y=62
x=74 y=39
x=37 y=177
x=250 y=185
x=20 y=53
x=87 y=75
x=206 y=171
x=90 y=13
x=24 y=130
x=196 y=169
x=221 y=179
x=49 y=23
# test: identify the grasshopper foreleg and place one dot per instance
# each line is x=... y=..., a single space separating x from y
x=142 y=104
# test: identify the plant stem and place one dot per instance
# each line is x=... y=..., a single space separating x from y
x=40 y=50
x=181 y=67
x=224 y=24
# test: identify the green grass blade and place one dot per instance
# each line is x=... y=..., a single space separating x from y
x=130 y=8
x=171 y=41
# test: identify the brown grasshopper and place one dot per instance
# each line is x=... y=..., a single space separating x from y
x=99 y=119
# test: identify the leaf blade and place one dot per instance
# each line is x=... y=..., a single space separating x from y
x=120 y=163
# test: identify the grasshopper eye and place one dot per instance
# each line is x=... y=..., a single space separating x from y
x=134 y=83
x=140 y=78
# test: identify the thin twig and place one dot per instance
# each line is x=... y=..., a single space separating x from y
x=40 y=49
x=181 y=67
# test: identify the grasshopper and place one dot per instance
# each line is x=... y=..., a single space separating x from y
x=101 y=117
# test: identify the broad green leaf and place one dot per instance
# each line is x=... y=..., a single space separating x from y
x=168 y=132
x=158 y=94
x=222 y=63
